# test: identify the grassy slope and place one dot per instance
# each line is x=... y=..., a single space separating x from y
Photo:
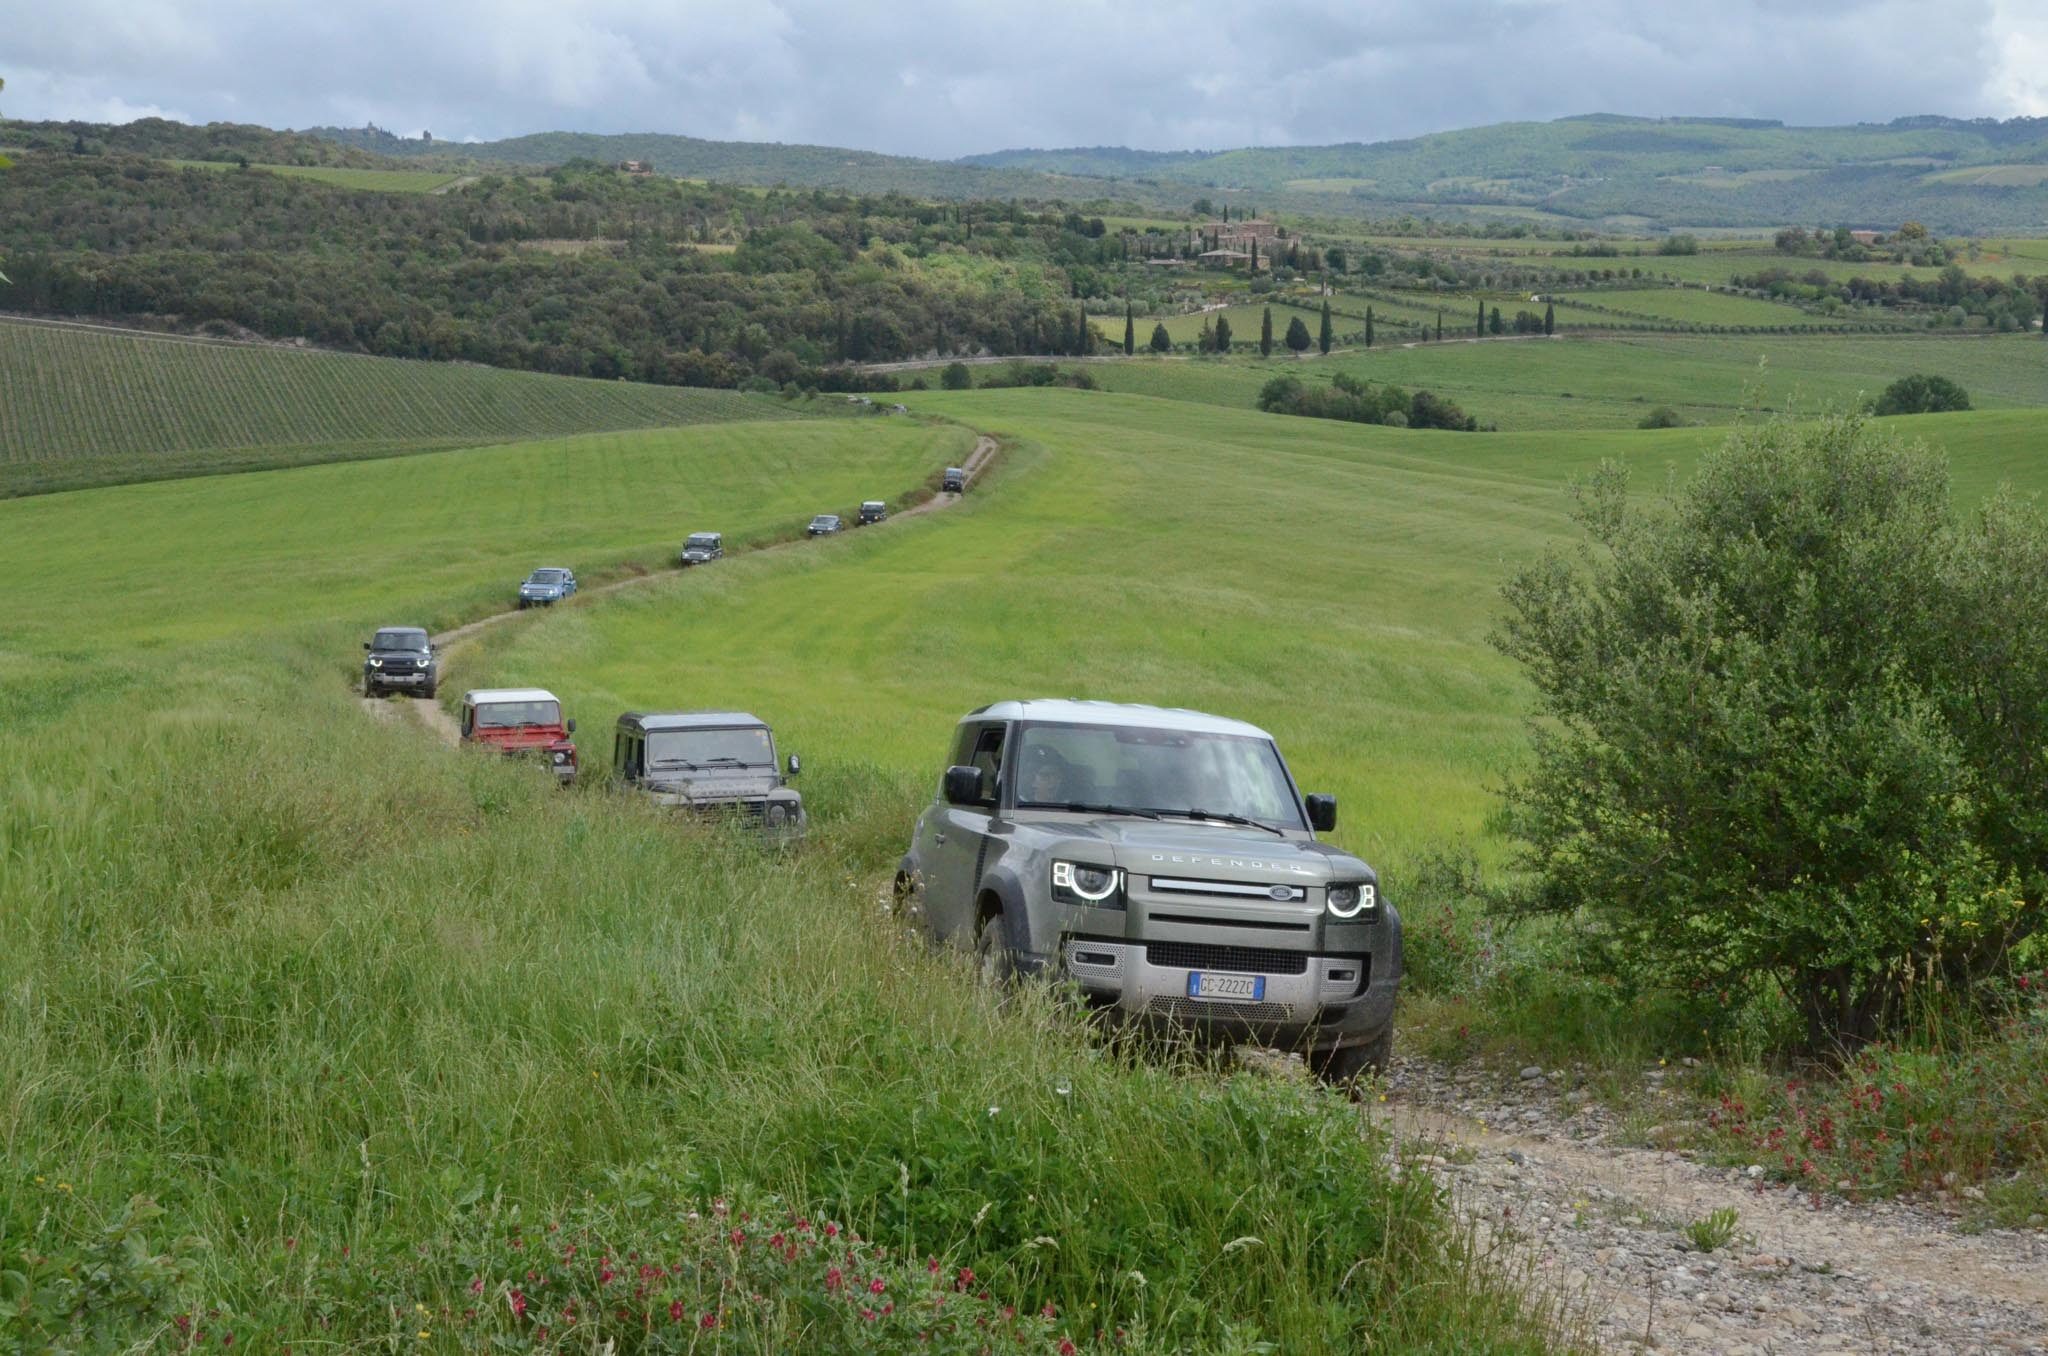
x=381 y=997
x=81 y=407
x=1151 y=551
x=1612 y=383
x=380 y=181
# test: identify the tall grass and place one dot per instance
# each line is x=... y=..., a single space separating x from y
x=311 y=983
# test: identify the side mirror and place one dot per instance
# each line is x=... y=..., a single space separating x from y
x=571 y=726
x=366 y=644
x=963 y=785
x=796 y=765
x=1322 y=813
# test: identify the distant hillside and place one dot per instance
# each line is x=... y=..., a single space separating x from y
x=736 y=162
x=225 y=142
x=84 y=406
x=1602 y=168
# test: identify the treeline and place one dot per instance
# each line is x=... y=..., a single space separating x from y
x=2003 y=303
x=226 y=142
x=1350 y=398
x=583 y=271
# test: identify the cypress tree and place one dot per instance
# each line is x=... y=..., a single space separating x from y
x=1439 y=325
x=1479 y=326
x=1087 y=331
x=1255 y=254
x=1368 y=327
x=1493 y=321
x=1297 y=335
x=1324 y=337
x=1223 y=334
x=1266 y=334
x=1549 y=318
x=1161 y=340
x=1130 y=330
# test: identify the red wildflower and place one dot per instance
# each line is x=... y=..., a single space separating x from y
x=675 y=1311
x=708 y=1322
x=834 y=1278
x=876 y=1286
x=518 y=1305
x=831 y=1231
x=476 y=1287
x=1066 y=1346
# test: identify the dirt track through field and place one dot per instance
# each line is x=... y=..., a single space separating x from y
x=1552 y=1183
x=438 y=720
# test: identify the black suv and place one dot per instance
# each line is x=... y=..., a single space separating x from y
x=703 y=548
x=954 y=482
x=872 y=511
x=400 y=659
x=824 y=525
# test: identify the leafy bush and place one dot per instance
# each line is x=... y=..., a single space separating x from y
x=1662 y=417
x=1679 y=244
x=955 y=377
x=1790 y=727
x=1921 y=394
x=1358 y=401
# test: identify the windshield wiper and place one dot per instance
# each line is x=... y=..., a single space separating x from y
x=1223 y=818
x=673 y=762
x=1082 y=807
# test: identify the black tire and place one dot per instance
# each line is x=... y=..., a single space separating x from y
x=992 y=953
x=1344 y=1066
x=429 y=690
x=369 y=688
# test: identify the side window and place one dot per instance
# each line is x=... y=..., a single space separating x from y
x=468 y=721
x=988 y=756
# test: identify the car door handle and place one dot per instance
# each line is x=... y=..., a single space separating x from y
x=938 y=838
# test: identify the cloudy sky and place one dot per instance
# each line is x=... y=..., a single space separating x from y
x=925 y=77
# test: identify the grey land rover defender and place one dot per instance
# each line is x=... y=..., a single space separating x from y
x=1164 y=862
x=710 y=762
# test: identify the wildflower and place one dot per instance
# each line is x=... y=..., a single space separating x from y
x=877 y=1286
x=831 y=1231
x=708 y=1322
x=1066 y=1346
x=675 y=1311
x=966 y=1279
x=476 y=1287
x=64 y=1187
x=1047 y=1312
x=736 y=1238
x=518 y=1305
x=868 y=1314
x=994 y=1110
x=834 y=1278
x=424 y=1334
x=931 y=1266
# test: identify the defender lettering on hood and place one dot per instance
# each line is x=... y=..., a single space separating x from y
x=1165 y=863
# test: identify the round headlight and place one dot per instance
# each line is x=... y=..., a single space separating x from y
x=776 y=816
x=375 y=662
x=560 y=756
x=1087 y=882
x=1351 y=899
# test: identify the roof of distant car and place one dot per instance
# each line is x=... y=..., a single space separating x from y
x=1069 y=712
x=484 y=696
x=873 y=503
x=689 y=720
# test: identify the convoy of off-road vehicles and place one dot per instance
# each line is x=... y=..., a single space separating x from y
x=1161 y=863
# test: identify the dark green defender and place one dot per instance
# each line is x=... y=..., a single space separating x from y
x=1164 y=862
x=710 y=762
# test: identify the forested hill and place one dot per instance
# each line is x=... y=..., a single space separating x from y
x=735 y=162
x=1951 y=174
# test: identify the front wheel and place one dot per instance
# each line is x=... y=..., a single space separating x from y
x=992 y=953
x=1345 y=1065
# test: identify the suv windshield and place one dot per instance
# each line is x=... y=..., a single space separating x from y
x=746 y=747
x=705 y=539
x=512 y=715
x=1146 y=770
x=399 y=640
x=547 y=576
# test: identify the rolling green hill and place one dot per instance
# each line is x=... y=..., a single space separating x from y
x=82 y=406
x=1674 y=171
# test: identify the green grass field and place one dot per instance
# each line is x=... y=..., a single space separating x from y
x=1612 y=383
x=1185 y=329
x=82 y=406
x=1688 y=305
x=355 y=1010
x=380 y=181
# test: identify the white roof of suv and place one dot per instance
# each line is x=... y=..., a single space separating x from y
x=1070 y=712
x=484 y=696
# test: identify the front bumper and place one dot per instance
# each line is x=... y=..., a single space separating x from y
x=1308 y=1000
x=388 y=678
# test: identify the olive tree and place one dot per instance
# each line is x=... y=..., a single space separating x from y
x=1791 y=726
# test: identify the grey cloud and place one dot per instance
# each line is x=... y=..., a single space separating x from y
x=943 y=79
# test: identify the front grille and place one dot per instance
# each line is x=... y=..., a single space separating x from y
x=1204 y=956
x=1195 y=1010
